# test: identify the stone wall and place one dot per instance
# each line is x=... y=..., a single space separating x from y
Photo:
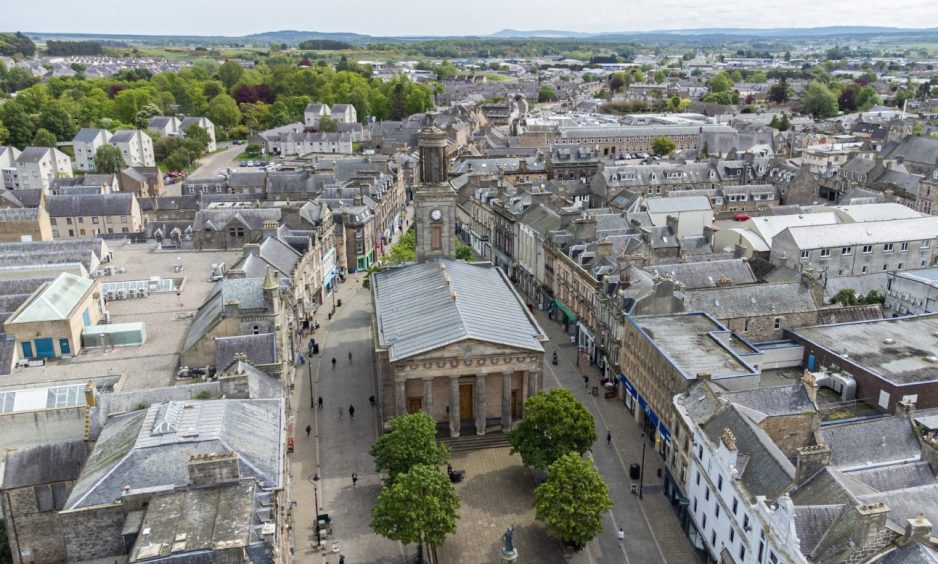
x=94 y=532
x=790 y=432
x=762 y=328
x=37 y=535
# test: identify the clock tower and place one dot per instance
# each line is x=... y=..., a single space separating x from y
x=434 y=199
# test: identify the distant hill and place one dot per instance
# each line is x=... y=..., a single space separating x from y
x=714 y=32
x=293 y=37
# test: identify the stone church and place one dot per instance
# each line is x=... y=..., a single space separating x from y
x=452 y=338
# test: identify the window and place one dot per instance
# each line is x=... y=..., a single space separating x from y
x=81 y=220
x=825 y=252
x=716 y=510
x=94 y=220
x=123 y=219
x=735 y=505
x=720 y=483
x=746 y=522
x=887 y=248
x=713 y=539
x=925 y=244
x=885 y=267
x=81 y=231
x=704 y=522
x=805 y=254
x=778 y=323
x=698 y=478
x=746 y=326
x=68 y=220
x=52 y=220
x=864 y=270
x=110 y=219
x=436 y=237
x=773 y=559
x=904 y=247
x=707 y=495
x=742 y=552
x=71 y=232
x=256 y=330
x=55 y=233
x=695 y=504
x=867 y=249
x=732 y=534
x=125 y=230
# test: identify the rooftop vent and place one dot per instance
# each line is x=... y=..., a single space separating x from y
x=931 y=359
x=889 y=341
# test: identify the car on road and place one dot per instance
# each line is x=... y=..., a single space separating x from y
x=237 y=142
x=262 y=163
x=243 y=163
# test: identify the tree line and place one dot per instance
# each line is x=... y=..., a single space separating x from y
x=238 y=100
x=13 y=44
x=70 y=48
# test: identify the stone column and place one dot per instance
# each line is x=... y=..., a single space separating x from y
x=506 y=402
x=480 y=404
x=428 y=395
x=454 y=406
x=532 y=383
x=401 y=397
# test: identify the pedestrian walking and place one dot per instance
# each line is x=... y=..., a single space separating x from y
x=371 y=400
x=351 y=411
x=586 y=381
x=320 y=402
x=621 y=534
x=350 y=357
x=354 y=478
x=608 y=438
x=308 y=429
x=333 y=363
x=341 y=559
x=340 y=413
x=302 y=359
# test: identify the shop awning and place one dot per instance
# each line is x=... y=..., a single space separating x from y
x=566 y=311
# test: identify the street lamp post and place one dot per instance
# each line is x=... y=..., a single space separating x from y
x=309 y=370
x=641 y=472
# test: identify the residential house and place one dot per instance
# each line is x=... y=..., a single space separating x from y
x=86 y=144
x=305 y=142
x=135 y=146
x=77 y=217
x=314 y=112
x=8 y=156
x=225 y=228
x=142 y=181
x=165 y=126
x=36 y=167
x=344 y=113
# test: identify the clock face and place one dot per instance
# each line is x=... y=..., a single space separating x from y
x=435 y=215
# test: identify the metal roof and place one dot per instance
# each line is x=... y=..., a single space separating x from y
x=417 y=310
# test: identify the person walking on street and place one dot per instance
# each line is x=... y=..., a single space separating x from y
x=354 y=478
x=351 y=411
x=340 y=413
x=308 y=429
x=621 y=534
x=320 y=402
x=586 y=381
x=608 y=438
x=350 y=357
x=333 y=363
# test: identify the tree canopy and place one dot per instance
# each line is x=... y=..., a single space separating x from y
x=662 y=146
x=572 y=500
x=411 y=441
x=819 y=101
x=554 y=424
x=421 y=507
x=108 y=159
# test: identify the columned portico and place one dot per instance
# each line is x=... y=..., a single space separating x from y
x=401 y=408
x=454 y=406
x=506 y=402
x=480 y=410
x=428 y=395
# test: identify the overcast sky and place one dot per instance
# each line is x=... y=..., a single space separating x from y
x=449 y=17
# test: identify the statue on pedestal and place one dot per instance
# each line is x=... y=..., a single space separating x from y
x=509 y=554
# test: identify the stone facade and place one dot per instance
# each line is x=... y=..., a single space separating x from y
x=94 y=532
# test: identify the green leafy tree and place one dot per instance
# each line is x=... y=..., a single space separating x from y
x=720 y=82
x=43 y=138
x=867 y=97
x=58 y=121
x=404 y=250
x=662 y=146
x=463 y=251
x=328 y=125
x=410 y=441
x=179 y=159
x=421 y=507
x=572 y=500
x=780 y=123
x=845 y=297
x=19 y=124
x=252 y=149
x=198 y=136
x=4 y=134
x=230 y=73
x=780 y=92
x=554 y=424
x=659 y=77
x=223 y=111
x=819 y=101
x=546 y=94
x=108 y=159
x=212 y=88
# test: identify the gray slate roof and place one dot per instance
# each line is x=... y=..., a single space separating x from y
x=773 y=401
x=416 y=313
x=705 y=274
x=871 y=442
x=259 y=349
x=136 y=450
x=89 y=204
x=18 y=214
x=754 y=300
x=44 y=464
x=916 y=553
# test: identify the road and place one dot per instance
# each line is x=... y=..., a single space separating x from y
x=212 y=165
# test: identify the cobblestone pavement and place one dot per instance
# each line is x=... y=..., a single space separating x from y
x=497 y=493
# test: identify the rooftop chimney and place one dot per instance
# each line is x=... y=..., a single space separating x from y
x=810 y=460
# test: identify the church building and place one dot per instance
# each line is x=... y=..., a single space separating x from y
x=451 y=338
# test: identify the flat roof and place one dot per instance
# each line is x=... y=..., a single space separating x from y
x=687 y=341
x=897 y=350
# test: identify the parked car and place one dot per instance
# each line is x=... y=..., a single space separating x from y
x=237 y=142
x=263 y=163
x=243 y=163
x=250 y=163
x=742 y=217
